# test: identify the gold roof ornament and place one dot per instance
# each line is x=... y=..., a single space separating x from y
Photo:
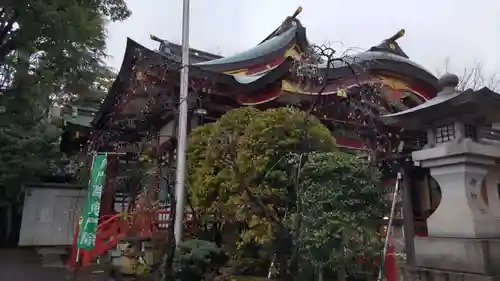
x=297 y=12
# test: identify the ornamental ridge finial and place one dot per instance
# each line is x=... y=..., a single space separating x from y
x=297 y=12
x=396 y=36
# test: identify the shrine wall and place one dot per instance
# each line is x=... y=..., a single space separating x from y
x=167 y=131
x=50 y=216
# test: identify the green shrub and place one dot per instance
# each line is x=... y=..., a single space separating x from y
x=197 y=259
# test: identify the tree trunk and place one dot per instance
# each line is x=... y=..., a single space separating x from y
x=8 y=229
x=341 y=270
x=294 y=260
x=341 y=273
x=282 y=250
x=320 y=274
x=230 y=238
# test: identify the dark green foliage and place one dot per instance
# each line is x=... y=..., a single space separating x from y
x=56 y=44
x=51 y=51
x=242 y=182
x=197 y=260
x=342 y=204
x=241 y=179
x=27 y=152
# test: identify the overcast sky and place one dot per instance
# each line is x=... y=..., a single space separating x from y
x=463 y=31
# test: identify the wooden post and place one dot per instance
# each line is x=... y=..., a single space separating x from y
x=320 y=275
x=8 y=229
x=408 y=218
x=108 y=195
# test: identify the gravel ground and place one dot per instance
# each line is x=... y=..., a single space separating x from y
x=25 y=265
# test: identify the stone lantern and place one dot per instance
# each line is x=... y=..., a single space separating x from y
x=464 y=231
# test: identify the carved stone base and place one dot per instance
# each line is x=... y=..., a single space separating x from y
x=476 y=256
x=428 y=274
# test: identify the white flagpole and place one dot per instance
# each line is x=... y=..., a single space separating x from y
x=180 y=191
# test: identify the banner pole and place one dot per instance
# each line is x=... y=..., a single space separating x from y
x=77 y=256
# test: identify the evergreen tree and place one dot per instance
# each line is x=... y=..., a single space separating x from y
x=50 y=51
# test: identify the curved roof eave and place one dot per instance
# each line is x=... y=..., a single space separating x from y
x=249 y=83
x=260 y=53
x=378 y=55
x=302 y=41
x=458 y=104
x=267 y=50
x=376 y=60
x=245 y=83
x=125 y=71
x=446 y=102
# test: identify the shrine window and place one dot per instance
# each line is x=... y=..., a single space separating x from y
x=484 y=193
x=445 y=133
x=470 y=131
x=498 y=189
x=434 y=193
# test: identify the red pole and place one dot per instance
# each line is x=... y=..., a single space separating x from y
x=390 y=266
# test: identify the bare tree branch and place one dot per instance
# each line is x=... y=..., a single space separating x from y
x=472 y=78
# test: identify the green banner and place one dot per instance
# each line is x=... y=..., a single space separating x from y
x=90 y=216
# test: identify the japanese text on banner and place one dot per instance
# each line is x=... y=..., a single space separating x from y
x=90 y=216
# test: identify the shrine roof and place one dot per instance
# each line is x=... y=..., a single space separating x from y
x=81 y=120
x=272 y=53
x=268 y=50
x=247 y=79
x=234 y=83
x=449 y=105
x=195 y=54
x=381 y=55
x=274 y=44
x=385 y=60
x=84 y=115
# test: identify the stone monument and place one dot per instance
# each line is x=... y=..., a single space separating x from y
x=463 y=240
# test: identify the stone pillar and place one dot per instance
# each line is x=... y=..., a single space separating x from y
x=462 y=155
x=464 y=233
x=460 y=185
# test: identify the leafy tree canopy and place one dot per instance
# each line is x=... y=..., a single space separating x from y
x=50 y=51
x=240 y=173
x=53 y=47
